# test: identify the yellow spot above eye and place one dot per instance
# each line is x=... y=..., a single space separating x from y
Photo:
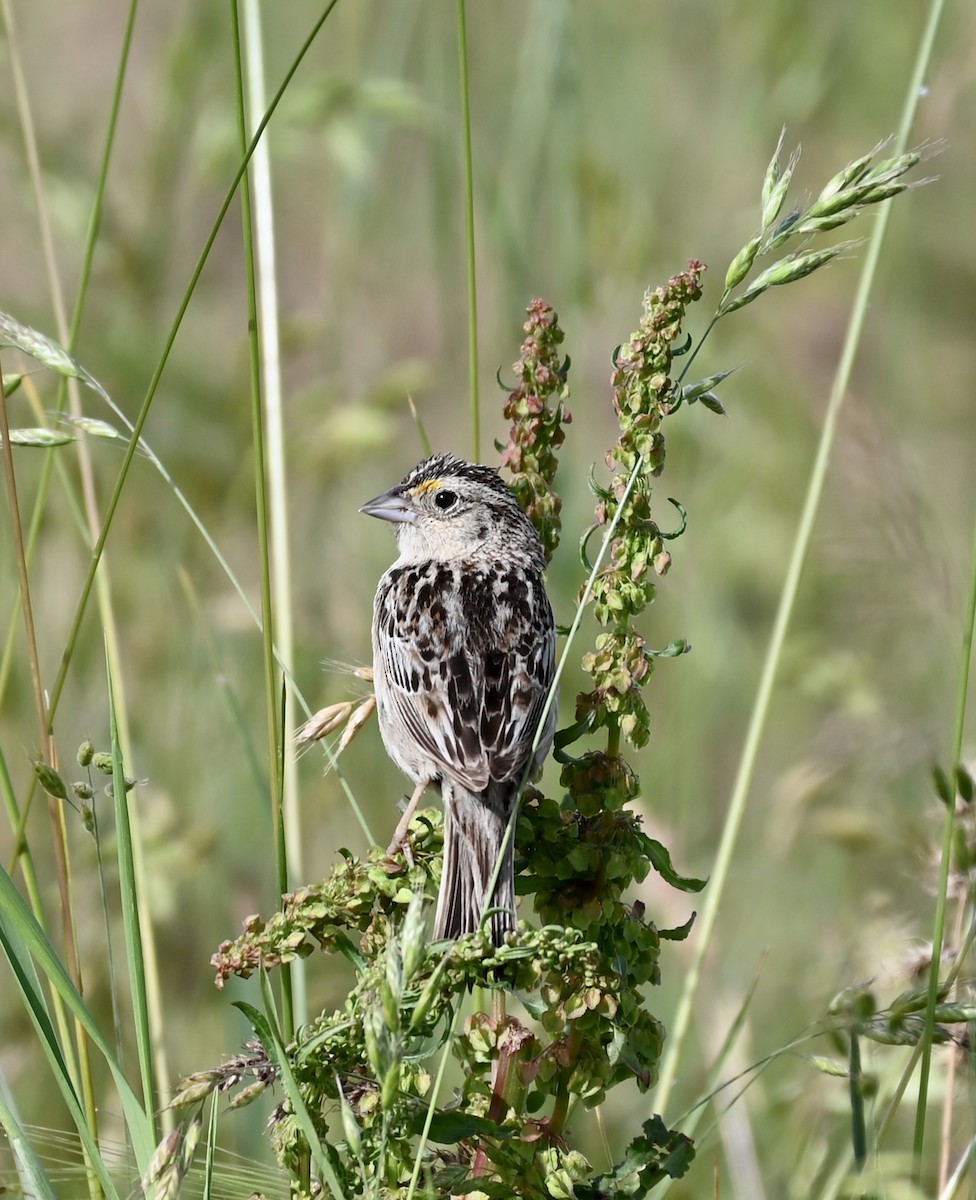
x=431 y=485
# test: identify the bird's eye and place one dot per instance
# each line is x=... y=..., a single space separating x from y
x=445 y=499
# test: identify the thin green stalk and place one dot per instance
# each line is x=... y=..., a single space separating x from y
x=99 y=542
x=915 y=88
x=951 y=1189
x=98 y=203
x=435 y=1092
x=274 y=734
x=469 y=234
x=111 y=968
x=21 y=854
x=211 y=1149
x=688 y=1123
x=34 y=166
x=147 y=451
x=743 y=780
x=57 y=814
x=948 y=829
x=27 y=609
x=859 y=1137
x=131 y=918
x=157 y=374
x=277 y=478
x=954 y=1061
x=58 y=829
x=68 y=333
x=269 y=1031
x=891 y=1111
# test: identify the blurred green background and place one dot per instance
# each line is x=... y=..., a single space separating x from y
x=612 y=142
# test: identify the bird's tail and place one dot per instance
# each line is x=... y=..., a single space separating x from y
x=474 y=829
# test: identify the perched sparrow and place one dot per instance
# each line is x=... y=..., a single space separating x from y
x=463 y=659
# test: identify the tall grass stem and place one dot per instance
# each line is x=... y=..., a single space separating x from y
x=131 y=922
x=801 y=545
x=469 y=240
x=167 y=349
x=275 y=731
x=274 y=417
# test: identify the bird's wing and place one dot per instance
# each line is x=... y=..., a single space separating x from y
x=467 y=657
x=518 y=671
x=430 y=675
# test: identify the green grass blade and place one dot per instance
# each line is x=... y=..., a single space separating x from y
x=27 y=980
x=20 y=923
x=714 y=894
x=128 y=887
x=154 y=382
x=266 y=1030
x=98 y=203
x=29 y=1166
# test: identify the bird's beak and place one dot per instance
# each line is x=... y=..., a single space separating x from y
x=391 y=506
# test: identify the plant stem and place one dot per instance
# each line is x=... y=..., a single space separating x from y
x=19 y=553
x=788 y=595
x=858 y=1130
x=154 y=382
x=275 y=734
x=469 y=235
x=560 y=1109
x=271 y=386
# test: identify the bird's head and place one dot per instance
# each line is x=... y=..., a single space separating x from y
x=446 y=508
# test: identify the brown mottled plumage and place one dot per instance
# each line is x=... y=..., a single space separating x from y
x=463 y=659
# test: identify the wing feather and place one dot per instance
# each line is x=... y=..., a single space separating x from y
x=467 y=658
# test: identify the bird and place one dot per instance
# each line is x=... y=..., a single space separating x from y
x=463 y=645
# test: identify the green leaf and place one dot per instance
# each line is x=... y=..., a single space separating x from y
x=660 y=860
x=652 y=1156
x=29 y=1165
x=964 y=782
x=672 y=650
x=943 y=788
x=129 y=886
x=572 y=733
x=448 y=1127
x=533 y=1004
x=348 y=949
x=679 y=933
x=22 y=936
